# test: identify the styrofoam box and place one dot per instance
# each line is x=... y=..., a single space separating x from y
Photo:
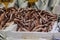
x=26 y=35
x=10 y=33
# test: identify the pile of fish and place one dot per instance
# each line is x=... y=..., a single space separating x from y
x=28 y=19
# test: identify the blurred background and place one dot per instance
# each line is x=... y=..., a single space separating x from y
x=48 y=5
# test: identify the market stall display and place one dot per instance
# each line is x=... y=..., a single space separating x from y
x=29 y=20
